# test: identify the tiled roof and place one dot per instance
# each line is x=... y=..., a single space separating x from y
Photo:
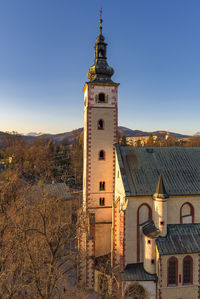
x=136 y=272
x=150 y=230
x=180 y=239
x=141 y=167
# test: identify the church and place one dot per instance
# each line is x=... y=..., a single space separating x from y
x=141 y=205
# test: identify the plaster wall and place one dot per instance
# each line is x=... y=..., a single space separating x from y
x=102 y=239
x=174 y=204
x=160 y=215
x=119 y=186
x=179 y=291
x=173 y=217
x=131 y=228
x=149 y=255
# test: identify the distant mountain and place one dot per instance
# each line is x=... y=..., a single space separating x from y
x=69 y=136
x=34 y=134
x=197 y=134
x=133 y=133
x=130 y=133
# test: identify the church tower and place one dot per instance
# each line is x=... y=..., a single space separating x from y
x=100 y=135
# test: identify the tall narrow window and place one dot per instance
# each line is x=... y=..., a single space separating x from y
x=172 y=271
x=101 y=201
x=187 y=270
x=101 y=98
x=100 y=125
x=102 y=186
x=101 y=155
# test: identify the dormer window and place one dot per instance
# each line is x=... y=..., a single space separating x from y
x=101 y=98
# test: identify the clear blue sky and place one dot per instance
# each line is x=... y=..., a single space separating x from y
x=47 y=46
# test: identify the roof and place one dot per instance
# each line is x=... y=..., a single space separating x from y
x=136 y=272
x=180 y=239
x=150 y=230
x=60 y=190
x=141 y=167
x=160 y=189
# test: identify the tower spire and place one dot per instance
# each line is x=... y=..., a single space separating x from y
x=160 y=189
x=100 y=21
x=100 y=72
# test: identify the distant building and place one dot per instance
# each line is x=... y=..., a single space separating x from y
x=139 y=140
x=141 y=205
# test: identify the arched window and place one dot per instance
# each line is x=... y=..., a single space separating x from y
x=144 y=214
x=187 y=270
x=187 y=213
x=135 y=291
x=101 y=155
x=100 y=125
x=101 y=186
x=101 y=201
x=101 y=98
x=172 y=271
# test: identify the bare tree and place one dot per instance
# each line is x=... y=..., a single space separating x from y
x=37 y=244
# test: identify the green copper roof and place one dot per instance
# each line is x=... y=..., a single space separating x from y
x=100 y=72
x=141 y=167
x=180 y=239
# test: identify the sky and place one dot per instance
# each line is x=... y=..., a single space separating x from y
x=47 y=47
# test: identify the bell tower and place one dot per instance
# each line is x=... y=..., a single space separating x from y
x=100 y=135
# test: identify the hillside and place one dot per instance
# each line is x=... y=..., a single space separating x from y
x=69 y=136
